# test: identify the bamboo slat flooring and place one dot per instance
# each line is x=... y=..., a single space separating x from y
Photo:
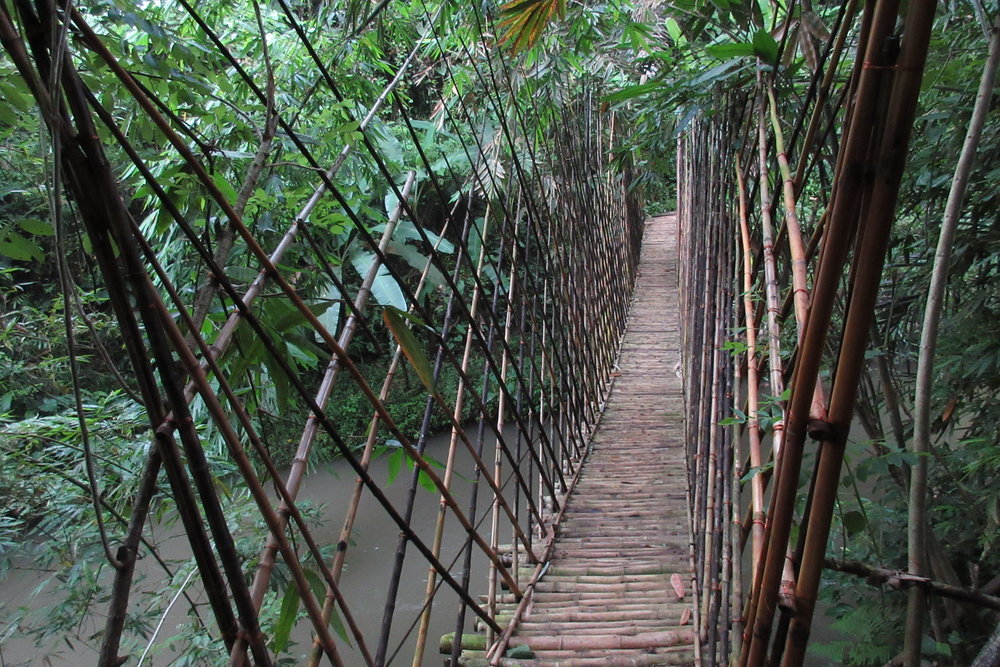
x=606 y=597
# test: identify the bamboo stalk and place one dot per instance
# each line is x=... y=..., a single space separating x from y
x=800 y=287
x=918 y=520
x=777 y=384
x=299 y=463
x=753 y=409
x=837 y=238
x=868 y=268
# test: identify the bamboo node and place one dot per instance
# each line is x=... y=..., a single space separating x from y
x=821 y=430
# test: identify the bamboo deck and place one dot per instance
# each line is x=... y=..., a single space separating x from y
x=607 y=597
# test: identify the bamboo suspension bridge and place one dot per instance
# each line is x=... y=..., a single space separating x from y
x=615 y=583
x=588 y=508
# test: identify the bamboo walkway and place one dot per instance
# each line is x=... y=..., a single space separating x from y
x=609 y=595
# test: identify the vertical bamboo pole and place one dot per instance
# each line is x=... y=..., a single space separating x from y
x=753 y=383
x=837 y=239
x=868 y=269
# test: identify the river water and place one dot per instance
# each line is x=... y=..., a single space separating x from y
x=364 y=581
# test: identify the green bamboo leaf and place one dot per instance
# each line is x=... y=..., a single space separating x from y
x=393 y=465
x=224 y=187
x=629 y=92
x=338 y=626
x=319 y=590
x=714 y=75
x=395 y=320
x=426 y=482
x=279 y=379
x=286 y=619
x=675 y=32
x=36 y=226
x=19 y=248
x=765 y=47
x=727 y=51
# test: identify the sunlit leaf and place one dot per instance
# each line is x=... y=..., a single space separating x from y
x=524 y=21
x=727 y=51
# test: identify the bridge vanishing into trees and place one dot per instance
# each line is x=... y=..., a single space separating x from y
x=647 y=418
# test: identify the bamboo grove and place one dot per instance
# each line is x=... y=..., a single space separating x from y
x=521 y=293
x=787 y=206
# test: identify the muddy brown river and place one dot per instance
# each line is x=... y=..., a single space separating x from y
x=364 y=582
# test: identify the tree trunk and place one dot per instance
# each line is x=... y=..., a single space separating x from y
x=990 y=655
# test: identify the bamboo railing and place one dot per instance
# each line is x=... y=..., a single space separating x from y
x=754 y=384
x=523 y=298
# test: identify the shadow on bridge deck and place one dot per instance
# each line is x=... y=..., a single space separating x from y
x=609 y=595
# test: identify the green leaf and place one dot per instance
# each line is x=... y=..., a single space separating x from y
x=717 y=73
x=236 y=155
x=19 y=248
x=426 y=482
x=338 y=626
x=36 y=226
x=630 y=92
x=755 y=471
x=854 y=522
x=392 y=152
x=224 y=187
x=765 y=47
x=393 y=464
x=407 y=232
x=319 y=590
x=241 y=274
x=417 y=260
x=385 y=289
x=674 y=30
x=330 y=317
x=728 y=51
x=520 y=652
x=16 y=94
x=286 y=619
x=395 y=320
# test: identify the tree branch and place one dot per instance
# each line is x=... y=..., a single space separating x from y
x=899 y=579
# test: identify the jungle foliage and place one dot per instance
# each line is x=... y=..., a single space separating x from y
x=658 y=66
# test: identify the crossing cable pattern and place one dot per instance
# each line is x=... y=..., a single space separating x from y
x=755 y=357
x=523 y=298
